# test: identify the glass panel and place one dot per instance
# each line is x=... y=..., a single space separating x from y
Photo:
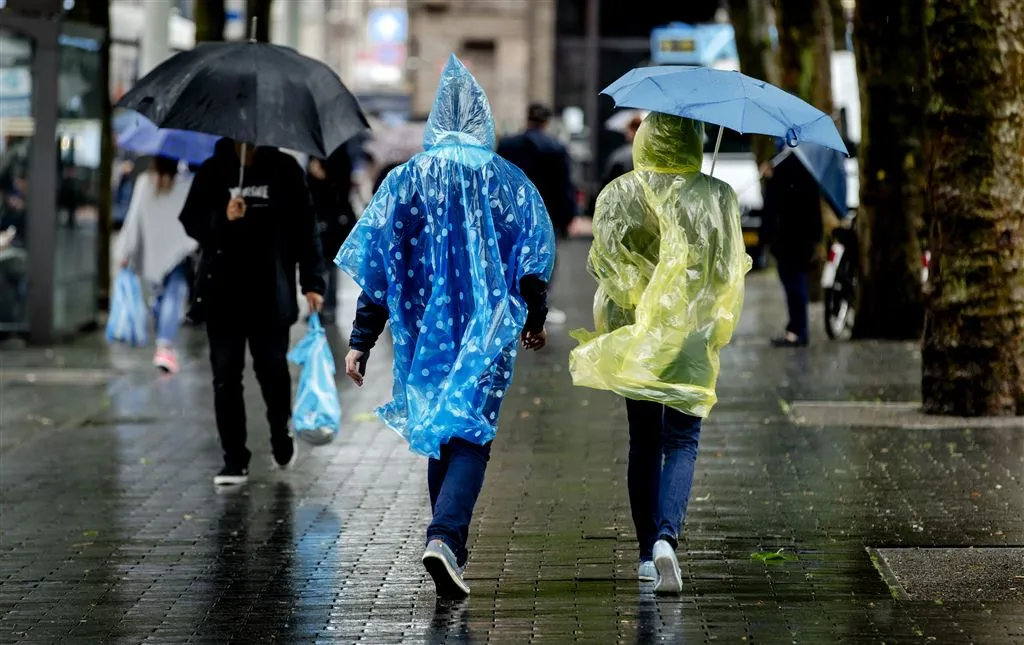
x=79 y=128
x=16 y=126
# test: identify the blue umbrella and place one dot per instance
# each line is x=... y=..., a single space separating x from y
x=138 y=134
x=828 y=169
x=728 y=99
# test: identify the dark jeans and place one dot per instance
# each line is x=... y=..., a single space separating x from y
x=269 y=349
x=331 y=295
x=794 y=282
x=662 y=452
x=455 y=481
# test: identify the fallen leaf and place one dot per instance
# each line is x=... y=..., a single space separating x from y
x=525 y=414
x=537 y=401
x=187 y=516
x=90 y=534
x=363 y=417
x=144 y=461
x=773 y=556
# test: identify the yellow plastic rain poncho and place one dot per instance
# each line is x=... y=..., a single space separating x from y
x=670 y=262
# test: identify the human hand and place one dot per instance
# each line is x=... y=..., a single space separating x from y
x=355 y=366
x=535 y=340
x=236 y=209
x=315 y=302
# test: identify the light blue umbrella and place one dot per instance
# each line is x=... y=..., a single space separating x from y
x=138 y=134
x=727 y=99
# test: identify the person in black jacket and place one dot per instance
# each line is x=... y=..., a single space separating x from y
x=252 y=237
x=793 y=209
x=330 y=184
x=546 y=163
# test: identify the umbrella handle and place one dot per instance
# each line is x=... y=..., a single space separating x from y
x=241 y=168
x=714 y=159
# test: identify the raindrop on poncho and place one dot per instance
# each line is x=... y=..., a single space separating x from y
x=443 y=246
x=670 y=263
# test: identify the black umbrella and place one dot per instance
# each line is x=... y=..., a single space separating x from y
x=251 y=92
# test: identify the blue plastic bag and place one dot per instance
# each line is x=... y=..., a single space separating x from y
x=129 y=318
x=317 y=413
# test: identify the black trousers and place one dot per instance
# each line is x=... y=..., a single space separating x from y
x=269 y=349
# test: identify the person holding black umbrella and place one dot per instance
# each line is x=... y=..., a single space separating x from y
x=252 y=237
x=250 y=211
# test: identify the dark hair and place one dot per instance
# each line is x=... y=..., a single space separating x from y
x=166 y=170
x=538 y=113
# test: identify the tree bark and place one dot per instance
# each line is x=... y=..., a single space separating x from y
x=805 y=50
x=838 y=24
x=753 y=44
x=973 y=353
x=97 y=14
x=259 y=9
x=210 y=19
x=805 y=58
x=891 y=69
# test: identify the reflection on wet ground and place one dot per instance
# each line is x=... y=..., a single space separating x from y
x=113 y=533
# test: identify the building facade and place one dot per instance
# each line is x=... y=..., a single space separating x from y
x=508 y=45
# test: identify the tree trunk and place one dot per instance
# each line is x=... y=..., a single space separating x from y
x=973 y=354
x=259 y=9
x=210 y=19
x=97 y=14
x=889 y=43
x=805 y=58
x=838 y=24
x=753 y=43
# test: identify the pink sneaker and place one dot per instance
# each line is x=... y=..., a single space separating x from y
x=166 y=360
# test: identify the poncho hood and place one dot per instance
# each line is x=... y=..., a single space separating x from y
x=667 y=143
x=461 y=114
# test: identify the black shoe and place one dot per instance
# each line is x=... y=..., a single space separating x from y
x=285 y=450
x=231 y=476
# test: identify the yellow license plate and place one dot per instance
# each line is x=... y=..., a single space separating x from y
x=678 y=45
x=751 y=238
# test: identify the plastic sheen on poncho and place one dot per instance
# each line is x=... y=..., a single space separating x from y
x=443 y=245
x=670 y=262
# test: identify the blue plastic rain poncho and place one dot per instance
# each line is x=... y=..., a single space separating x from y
x=670 y=262
x=443 y=246
x=317 y=412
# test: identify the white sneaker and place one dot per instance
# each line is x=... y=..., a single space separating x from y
x=647 y=571
x=440 y=563
x=670 y=578
x=556 y=316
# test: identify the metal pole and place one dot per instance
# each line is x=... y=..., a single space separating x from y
x=714 y=158
x=593 y=79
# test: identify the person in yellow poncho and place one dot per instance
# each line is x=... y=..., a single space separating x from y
x=670 y=263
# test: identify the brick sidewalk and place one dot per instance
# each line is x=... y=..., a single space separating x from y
x=113 y=533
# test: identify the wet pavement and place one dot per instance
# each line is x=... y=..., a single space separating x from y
x=112 y=532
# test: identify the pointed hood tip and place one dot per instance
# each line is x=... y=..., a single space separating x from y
x=461 y=111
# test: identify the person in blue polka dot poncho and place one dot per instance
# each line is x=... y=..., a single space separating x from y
x=454 y=251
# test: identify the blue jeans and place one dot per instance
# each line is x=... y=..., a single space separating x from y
x=169 y=304
x=662 y=452
x=455 y=481
x=794 y=282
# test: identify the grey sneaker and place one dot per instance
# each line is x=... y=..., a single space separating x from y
x=647 y=572
x=440 y=563
x=670 y=578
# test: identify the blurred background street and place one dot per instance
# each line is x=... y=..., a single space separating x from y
x=861 y=479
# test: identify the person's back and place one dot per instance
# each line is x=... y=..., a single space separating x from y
x=454 y=250
x=669 y=259
x=668 y=252
x=546 y=163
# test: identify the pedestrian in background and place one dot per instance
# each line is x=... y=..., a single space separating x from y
x=455 y=250
x=330 y=184
x=151 y=229
x=546 y=163
x=793 y=232
x=252 y=237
